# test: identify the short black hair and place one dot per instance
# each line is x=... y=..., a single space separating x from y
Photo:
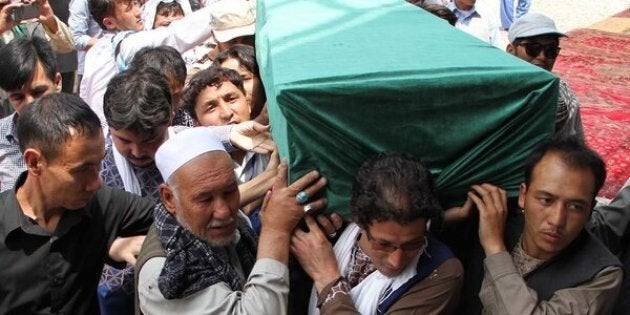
x=393 y=187
x=19 y=59
x=574 y=153
x=440 y=11
x=245 y=54
x=167 y=8
x=246 y=57
x=49 y=122
x=165 y=59
x=99 y=9
x=138 y=100
x=213 y=76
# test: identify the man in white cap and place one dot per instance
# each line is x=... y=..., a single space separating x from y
x=233 y=22
x=535 y=39
x=201 y=256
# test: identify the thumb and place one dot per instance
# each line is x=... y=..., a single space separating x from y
x=131 y=259
x=260 y=127
x=467 y=205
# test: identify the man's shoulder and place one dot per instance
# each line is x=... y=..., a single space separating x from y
x=102 y=48
x=602 y=253
x=8 y=200
x=565 y=88
x=151 y=248
x=97 y=57
x=109 y=172
x=112 y=199
x=579 y=263
x=586 y=253
x=6 y=124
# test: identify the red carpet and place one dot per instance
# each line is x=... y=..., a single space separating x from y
x=596 y=65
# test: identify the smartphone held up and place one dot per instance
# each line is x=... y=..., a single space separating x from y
x=26 y=11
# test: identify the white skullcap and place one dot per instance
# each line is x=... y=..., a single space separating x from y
x=183 y=147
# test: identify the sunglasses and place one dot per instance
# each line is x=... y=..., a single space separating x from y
x=533 y=49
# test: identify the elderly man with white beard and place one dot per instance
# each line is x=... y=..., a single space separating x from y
x=201 y=255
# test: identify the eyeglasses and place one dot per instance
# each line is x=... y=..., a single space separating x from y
x=533 y=49
x=387 y=247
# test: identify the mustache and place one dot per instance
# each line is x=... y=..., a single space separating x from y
x=219 y=223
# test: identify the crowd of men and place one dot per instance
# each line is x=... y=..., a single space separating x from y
x=157 y=188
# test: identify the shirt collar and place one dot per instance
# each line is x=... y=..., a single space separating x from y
x=16 y=221
x=463 y=14
x=11 y=130
x=11 y=214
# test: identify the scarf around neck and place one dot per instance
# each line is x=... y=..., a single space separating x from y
x=192 y=264
x=373 y=289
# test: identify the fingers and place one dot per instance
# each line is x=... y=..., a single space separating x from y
x=265 y=202
x=313 y=226
x=310 y=237
x=497 y=194
x=297 y=241
x=264 y=146
x=490 y=196
x=467 y=206
x=314 y=188
x=478 y=202
x=274 y=159
x=281 y=177
x=337 y=220
x=326 y=223
x=317 y=204
x=260 y=127
x=305 y=183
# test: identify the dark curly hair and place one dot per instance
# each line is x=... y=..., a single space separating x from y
x=213 y=76
x=393 y=187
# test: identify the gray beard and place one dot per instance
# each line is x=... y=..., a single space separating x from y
x=222 y=242
x=226 y=241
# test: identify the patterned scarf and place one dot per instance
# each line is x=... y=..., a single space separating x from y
x=192 y=264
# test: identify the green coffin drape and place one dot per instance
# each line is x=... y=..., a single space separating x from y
x=346 y=79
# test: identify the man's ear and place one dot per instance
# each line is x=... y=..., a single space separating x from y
x=168 y=198
x=58 y=82
x=522 y=191
x=110 y=22
x=34 y=161
x=510 y=49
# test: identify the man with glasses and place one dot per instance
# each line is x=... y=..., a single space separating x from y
x=385 y=260
x=535 y=39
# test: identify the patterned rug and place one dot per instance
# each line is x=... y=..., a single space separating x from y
x=596 y=64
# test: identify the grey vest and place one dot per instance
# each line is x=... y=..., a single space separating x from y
x=580 y=262
x=150 y=248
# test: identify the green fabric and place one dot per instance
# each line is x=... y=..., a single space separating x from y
x=19 y=31
x=347 y=79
